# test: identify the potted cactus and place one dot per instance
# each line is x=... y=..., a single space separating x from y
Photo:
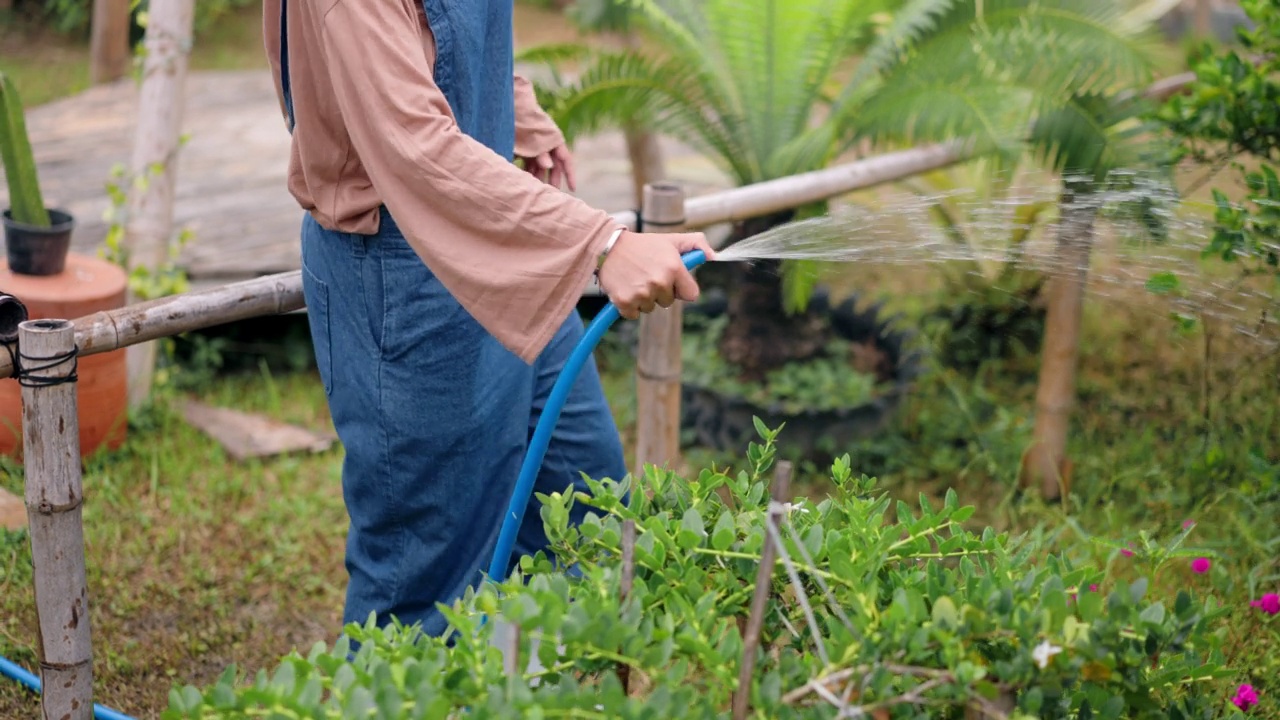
x=37 y=238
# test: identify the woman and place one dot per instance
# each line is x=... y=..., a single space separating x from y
x=441 y=280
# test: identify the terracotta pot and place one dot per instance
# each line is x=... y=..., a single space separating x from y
x=86 y=285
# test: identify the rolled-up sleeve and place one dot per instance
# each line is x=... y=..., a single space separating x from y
x=536 y=132
x=515 y=252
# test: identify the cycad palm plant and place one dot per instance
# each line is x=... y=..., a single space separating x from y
x=769 y=88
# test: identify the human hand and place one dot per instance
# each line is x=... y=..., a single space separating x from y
x=642 y=272
x=552 y=167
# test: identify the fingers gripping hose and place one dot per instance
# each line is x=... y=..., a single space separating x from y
x=546 y=424
x=524 y=483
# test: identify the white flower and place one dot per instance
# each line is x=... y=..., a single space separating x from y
x=1043 y=652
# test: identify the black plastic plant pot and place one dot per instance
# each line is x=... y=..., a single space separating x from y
x=33 y=250
x=714 y=420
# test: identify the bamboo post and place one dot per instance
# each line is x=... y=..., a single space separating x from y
x=109 y=41
x=155 y=150
x=51 y=454
x=760 y=597
x=658 y=354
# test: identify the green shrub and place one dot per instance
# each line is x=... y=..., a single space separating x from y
x=826 y=382
x=895 y=611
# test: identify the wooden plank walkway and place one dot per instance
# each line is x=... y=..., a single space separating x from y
x=231 y=173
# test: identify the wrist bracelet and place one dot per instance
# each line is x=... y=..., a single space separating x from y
x=607 y=247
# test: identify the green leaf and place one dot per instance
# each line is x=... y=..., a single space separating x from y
x=1153 y=614
x=1163 y=283
x=1138 y=589
x=1182 y=604
x=692 y=530
x=25 y=199
x=813 y=543
x=945 y=613
x=761 y=429
x=724 y=533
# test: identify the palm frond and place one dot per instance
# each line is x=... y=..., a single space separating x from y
x=1062 y=46
x=923 y=107
x=1089 y=136
x=912 y=22
x=554 y=53
x=621 y=88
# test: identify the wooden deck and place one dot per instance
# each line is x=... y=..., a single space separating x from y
x=231 y=173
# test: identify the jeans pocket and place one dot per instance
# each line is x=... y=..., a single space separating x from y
x=316 y=294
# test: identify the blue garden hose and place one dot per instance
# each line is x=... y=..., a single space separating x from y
x=547 y=423
x=18 y=673
x=524 y=484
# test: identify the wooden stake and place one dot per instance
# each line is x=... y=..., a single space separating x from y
x=109 y=51
x=658 y=356
x=51 y=454
x=155 y=157
x=628 y=578
x=759 y=600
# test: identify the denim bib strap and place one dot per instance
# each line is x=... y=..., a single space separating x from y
x=284 y=61
x=474 y=67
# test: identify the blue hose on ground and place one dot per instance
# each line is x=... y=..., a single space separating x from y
x=16 y=672
x=524 y=484
x=547 y=423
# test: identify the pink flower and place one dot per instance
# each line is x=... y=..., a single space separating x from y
x=1126 y=552
x=1269 y=604
x=1200 y=565
x=1093 y=587
x=1246 y=697
x=1187 y=523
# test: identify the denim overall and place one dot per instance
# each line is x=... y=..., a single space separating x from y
x=433 y=413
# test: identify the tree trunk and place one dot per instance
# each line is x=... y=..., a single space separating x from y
x=1046 y=461
x=646 y=161
x=642 y=146
x=1203 y=19
x=760 y=334
x=109 y=54
x=150 y=219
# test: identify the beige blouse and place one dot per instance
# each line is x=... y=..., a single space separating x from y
x=373 y=128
